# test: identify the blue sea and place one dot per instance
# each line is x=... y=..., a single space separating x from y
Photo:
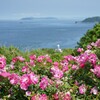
x=35 y=34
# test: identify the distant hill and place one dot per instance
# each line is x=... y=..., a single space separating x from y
x=27 y=18
x=41 y=18
x=92 y=19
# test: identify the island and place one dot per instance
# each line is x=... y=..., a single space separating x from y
x=38 y=18
x=92 y=20
x=27 y=18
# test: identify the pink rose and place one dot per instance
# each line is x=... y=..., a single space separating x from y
x=14 y=79
x=39 y=97
x=79 y=50
x=96 y=70
x=28 y=93
x=25 y=82
x=75 y=67
x=32 y=57
x=67 y=96
x=2 y=62
x=4 y=74
x=34 y=78
x=56 y=96
x=44 y=83
x=25 y=69
x=82 y=89
x=20 y=58
x=65 y=68
x=56 y=64
x=89 y=47
x=69 y=57
x=35 y=97
x=97 y=43
x=32 y=63
x=94 y=90
x=14 y=60
x=57 y=73
x=43 y=97
x=40 y=58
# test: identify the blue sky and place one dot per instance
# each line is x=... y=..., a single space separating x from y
x=16 y=9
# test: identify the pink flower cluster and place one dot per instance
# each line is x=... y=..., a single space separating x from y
x=18 y=58
x=39 y=97
x=96 y=70
x=14 y=79
x=57 y=73
x=44 y=83
x=80 y=50
x=96 y=44
x=82 y=89
x=94 y=90
x=62 y=96
x=2 y=62
x=27 y=79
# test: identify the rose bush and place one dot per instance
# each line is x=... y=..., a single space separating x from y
x=42 y=78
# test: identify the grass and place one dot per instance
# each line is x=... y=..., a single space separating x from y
x=10 y=52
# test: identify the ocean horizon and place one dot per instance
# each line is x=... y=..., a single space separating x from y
x=37 y=34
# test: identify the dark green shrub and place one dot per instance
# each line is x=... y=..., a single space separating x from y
x=91 y=36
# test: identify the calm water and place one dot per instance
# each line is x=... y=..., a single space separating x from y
x=41 y=34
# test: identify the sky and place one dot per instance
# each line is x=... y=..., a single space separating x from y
x=72 y=9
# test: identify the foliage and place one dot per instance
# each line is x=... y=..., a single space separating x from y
x=91 y=36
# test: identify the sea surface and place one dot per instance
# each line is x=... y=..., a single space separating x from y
x=35 y=34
